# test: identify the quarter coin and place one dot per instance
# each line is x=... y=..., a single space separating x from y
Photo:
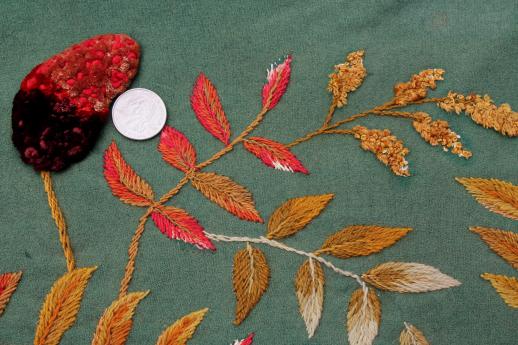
x=139 y=114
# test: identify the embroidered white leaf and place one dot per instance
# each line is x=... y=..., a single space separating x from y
x=250 y=278
x=410 y=335
x=363 y=317
x=309 y=286
x=408 y=277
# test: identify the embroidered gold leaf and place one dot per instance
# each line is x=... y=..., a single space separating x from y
x=498 y=196
x=483 y=111
x=360 y=240
x=229 y=195
x=59 y=311
x=347 y=77
x=507 y=287
x=408 y=277
x=417 y=87
x=8 y=283
x=309 y=286
x=182 y=330
x=250 y=278
x=115 y=324
x=363 y=317
x=388 y=148
x=504 y=243
x=293 y=215
x=410 y=335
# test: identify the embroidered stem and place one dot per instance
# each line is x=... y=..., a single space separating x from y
x=282 y=246
x=59 y=219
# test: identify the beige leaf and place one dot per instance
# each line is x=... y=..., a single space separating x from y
x=182 y=330
x=59 y=311
x=293 y=215
x=360 y=240
x=250 y=278
x=504 y=243
x=226 y=193
x=309 y=286
x=408 y=277
x=115 y=324
x=506 y=286
x=410 y=335
x=498 y=196
x=363 y=317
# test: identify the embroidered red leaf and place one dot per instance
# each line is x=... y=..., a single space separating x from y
x=277 y=81
x=8 y=283
x=274 y=154
x=207 y=107
x=123 y=181
x=176 y=149
x=178 y=224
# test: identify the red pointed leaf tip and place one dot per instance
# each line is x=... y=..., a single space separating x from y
x=206 y=105
x=274 y=154
x=277 y=82
x=63 y=102
x=176 y=149
x=248 y=340
x=178 y=224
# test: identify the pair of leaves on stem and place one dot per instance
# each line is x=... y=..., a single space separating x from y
x=499 y=197
x=59 y=312
x=251 y=271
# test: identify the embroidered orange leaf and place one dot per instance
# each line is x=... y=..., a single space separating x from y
x=507 y=287
x=229 y=195
x=363 y=317
x=274 y=154
x=504 y=243
x=277 y=82
x=498 y=196
x=293 y=215
x=309 y=286
x=59 y=311
x=178 y=224
x=176 y=149
x=207 y=107
x=359 y=240
x=182 y=330
x=123 y=181
x=250 y=278
x=410 y=335
x=8 y=283
x=115 y=324
x=408 y=277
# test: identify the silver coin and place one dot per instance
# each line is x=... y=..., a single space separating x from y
x=139 y=114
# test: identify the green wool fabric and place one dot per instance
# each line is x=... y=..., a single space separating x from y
x=233 y=43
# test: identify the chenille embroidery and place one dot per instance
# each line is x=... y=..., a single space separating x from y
x=499 y=197
x=251 y=270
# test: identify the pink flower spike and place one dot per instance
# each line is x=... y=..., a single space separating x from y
x=277 y=82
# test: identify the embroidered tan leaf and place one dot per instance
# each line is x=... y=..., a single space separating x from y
x=507 y=287
x=410 y=335
x=408 y=277
x=309 y=286
x=363 y=317
x=59 y=311
x=231 y=196
x=124 y=181
x=8 y=283
x=182 y=330
x=359 y=240
x=504 y=243
x=293 y=215
x=498 y=196
x=347 y=77
x=115 y=324
x=250 y=278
